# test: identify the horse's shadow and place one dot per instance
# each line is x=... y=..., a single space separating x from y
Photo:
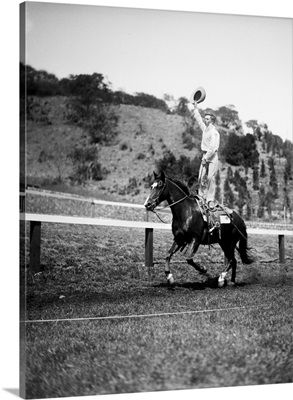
x=209 y=283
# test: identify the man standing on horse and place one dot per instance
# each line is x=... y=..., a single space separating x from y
x=209 y=163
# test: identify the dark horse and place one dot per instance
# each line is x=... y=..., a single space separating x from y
x=190 y=230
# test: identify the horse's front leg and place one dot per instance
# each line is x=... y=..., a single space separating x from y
x=200 y=268
x=175 y=247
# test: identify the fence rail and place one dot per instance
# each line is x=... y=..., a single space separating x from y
x=94 y=202
x=91 y=200
x=37 y=219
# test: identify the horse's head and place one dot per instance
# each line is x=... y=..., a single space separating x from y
x=158 y=192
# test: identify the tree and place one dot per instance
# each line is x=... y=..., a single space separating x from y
x=230 y=174
x=233 y=150
x=228 y=115
x=88 y=107
x=253 y=124
x=262 y=202
x=255 y=175
x=38 y=83
x=89 y=89
x=237 y=180
x=170 y=101
x=269 y=200
x=250 y=153
x=182 y=107
x=287 y=173
x=228 y=194
x=149 y=101
x=182 y=169
x=273 y=179
x=167 y=163
x=85 y=163
x=248 y=209
x=102 y=125
x=263 y=169
x=241 y=150
x=287 y=201
x=241 y=188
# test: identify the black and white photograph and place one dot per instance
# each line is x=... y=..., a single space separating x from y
x=155 y=196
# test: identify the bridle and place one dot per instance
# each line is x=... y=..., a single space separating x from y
x=156 y=201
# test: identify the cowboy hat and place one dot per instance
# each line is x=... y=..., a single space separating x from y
x=198 y=95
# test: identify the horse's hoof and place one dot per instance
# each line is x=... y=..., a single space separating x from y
x=170 y=280
x=221 y=280
x=222 y=283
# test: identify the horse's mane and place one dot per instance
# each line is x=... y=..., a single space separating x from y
x=181 y=185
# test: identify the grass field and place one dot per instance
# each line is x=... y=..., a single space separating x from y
x=116 y=328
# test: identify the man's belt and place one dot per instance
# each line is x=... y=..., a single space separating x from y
x=205 y=152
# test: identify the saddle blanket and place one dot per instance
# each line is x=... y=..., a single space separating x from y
x=224 y=219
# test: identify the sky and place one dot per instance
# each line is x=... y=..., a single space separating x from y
x=244 y=61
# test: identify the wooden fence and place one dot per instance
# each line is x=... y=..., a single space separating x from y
x=36 y=220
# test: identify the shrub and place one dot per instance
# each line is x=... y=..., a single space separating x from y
x=183 y=169
x=123 y=146
x=85 y=164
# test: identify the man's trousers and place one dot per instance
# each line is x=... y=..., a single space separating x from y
x=207 y=179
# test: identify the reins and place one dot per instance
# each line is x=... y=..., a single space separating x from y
x=172 y=204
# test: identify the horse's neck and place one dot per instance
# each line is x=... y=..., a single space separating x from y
x=179 y=209
x=175 y=193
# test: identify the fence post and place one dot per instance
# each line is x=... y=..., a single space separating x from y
x=282 y=249
x=35 y=246
x=22 y=202
x=93 y=208
x=149 y=253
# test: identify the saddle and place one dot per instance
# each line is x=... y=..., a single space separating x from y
x=214 y=214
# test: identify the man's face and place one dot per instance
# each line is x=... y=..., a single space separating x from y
x=207 y=120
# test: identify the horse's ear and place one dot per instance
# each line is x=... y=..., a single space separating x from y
x=162 y=176
x=155 y=175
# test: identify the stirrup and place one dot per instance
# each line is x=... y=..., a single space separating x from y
x=212 y=229
x=212 y=204
x=216 y=225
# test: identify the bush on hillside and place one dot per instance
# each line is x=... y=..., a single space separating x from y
x=85 y=164
x=183 y=169
x=241 y=150
x=191 y=136
x=88 y=108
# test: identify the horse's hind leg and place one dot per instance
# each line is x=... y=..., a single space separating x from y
x=175 y=247
x=232 y=264
x=193 y=249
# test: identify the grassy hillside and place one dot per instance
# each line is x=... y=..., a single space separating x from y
x=144 y=134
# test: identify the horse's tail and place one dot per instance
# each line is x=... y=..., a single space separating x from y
x=243 y=249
